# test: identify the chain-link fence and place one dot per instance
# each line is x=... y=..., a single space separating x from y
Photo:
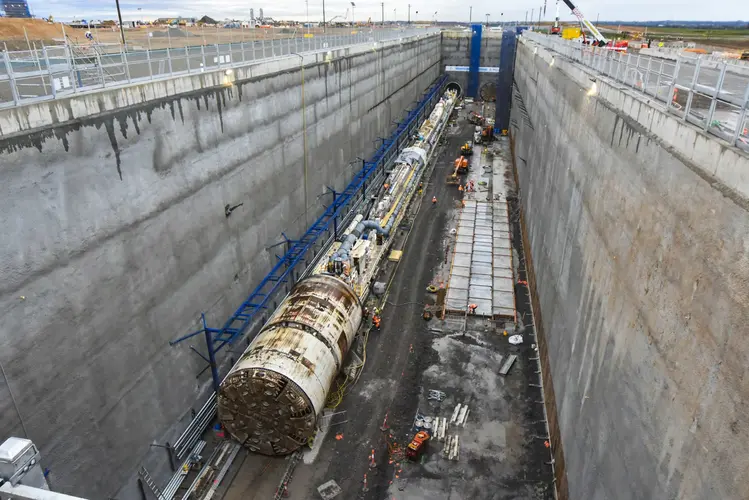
x=56 y=71
x=713 y=95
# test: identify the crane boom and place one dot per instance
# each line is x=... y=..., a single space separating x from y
x=556 y=30
x=587 y=24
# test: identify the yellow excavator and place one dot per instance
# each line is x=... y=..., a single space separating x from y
x=466 y=149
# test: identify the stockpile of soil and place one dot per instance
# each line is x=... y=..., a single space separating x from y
x=36 y=29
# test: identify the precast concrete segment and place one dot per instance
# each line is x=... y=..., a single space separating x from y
x=638 y=231
x=100 y=272
x=270 y=400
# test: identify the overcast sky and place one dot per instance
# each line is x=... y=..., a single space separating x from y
x=453 y=10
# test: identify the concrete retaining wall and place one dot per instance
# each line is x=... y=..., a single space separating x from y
x=116 y=240
x=640 y=245
x=456 y=51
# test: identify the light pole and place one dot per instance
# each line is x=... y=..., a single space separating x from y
x=487 y=20
x=306 y=2
x=323 y=16
x=501 y=19
x=409 y=13
x=353 y=16
x=122 y=30
x=470 y=14
x=395 y=17
x=382 y=4
x=304 y=138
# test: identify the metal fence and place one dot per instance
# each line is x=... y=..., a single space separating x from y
x=58 y=71
x=709 y=94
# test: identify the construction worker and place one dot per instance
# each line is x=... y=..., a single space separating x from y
x=460 y=188
x=472 y=309
x=472 y=185
x=434 y=201
x=376 y=322
x=387 y=186
x=376 y=311
x=463 y=202
x=468 y=187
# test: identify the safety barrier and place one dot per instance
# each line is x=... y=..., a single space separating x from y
x=711 y=95
x=58 y=71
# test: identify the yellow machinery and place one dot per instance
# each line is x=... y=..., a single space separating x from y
x=466 y=149
x=571 y=33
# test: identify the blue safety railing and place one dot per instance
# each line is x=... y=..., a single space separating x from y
x=243 y=317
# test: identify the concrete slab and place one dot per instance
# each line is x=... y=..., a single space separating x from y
x=456 y=296
x=504 y=300
x=462 y=259
x=479 y=280
x=483 y=247
x=503 y=262
x=503 y=272
x=464 y=248
x=482 y=257
x=461 y=271
x=483 y=239
x=507 y=364
x=484 y=306
x=460 y=282
x=503 y=252
x=479 y=268
x=480 y=292
x=504 y=285
x=483 y=251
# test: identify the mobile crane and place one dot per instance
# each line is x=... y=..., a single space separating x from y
x=556 y=30
x=600 y=40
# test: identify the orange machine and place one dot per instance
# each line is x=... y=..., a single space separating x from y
x=417 y=445
x=461 y=167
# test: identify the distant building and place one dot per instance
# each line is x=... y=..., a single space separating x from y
x=15 y=8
